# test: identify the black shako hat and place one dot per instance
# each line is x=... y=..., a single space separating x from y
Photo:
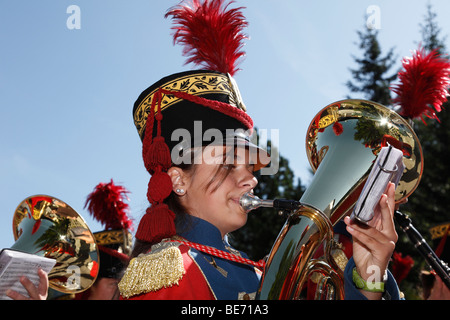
x=194 y=108
x=192 y=104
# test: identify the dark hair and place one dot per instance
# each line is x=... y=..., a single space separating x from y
x=182 y=218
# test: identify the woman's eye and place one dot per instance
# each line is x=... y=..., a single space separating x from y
x=229 y=166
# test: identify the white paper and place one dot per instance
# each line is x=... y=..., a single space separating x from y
x=14 y=264
x=387 y=167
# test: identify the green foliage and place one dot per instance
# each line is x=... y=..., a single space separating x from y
x=370 y=78
x=431 y=32
x=428 y=206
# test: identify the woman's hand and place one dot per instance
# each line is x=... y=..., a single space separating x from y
x=374 y=244
x=39 y=293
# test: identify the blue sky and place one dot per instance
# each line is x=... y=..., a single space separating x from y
x=66 y=95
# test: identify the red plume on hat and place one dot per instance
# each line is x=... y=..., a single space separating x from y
x=211 y=34
x=107 y=205
x=401 y=266
x=424 y=84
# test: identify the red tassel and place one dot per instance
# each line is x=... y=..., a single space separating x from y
x=157 y=154
x=159 y=187
x=155 y=151
x=156 y=224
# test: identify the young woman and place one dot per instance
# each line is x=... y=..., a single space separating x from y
x=205 y=199
x=181 y=249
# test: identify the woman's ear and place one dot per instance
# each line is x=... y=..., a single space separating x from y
x=178 y=178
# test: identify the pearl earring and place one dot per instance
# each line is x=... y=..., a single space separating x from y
x=180 y=191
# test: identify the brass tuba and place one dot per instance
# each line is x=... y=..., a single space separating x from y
x=46 y=226
x=342 y=143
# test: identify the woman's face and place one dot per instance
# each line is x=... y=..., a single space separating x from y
x=214 y=190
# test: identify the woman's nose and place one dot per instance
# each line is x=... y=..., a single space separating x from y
x=247 y=179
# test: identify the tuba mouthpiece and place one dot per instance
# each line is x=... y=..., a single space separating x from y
x=250 y=202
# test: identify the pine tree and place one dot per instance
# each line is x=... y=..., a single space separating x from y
x=428 y=204
x=431 y=32
x=372 y=77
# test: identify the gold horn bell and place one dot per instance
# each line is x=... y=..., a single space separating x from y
x=342 y=143
x=46 y=226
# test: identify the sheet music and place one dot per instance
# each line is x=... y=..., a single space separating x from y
x=14 y=264
x=387 y=167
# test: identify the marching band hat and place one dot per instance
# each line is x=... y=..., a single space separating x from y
x=106 y=203
x=441 y=246
x=439 y=235
x=200 y=108
x=194 y=108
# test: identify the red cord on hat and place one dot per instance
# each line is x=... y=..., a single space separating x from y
x=158 y=221
x=219 y=106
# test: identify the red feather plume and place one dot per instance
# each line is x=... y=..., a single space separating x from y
x=401 y=266
x=210 y=33
x=107 y=205
x=424 y=83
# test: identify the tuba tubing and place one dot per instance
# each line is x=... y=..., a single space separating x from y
x=249 y=201
x=342 y=143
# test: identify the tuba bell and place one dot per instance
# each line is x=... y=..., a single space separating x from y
x=342 y=143
x=46 y=226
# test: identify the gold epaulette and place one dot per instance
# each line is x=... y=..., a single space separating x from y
x=162 y=267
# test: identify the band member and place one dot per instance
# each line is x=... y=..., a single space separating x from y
x=197 y=148
x=433 y=286
x=107 y=204
x=34 y=293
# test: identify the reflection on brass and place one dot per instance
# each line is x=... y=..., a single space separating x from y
x=341 y=160
x=348 y=157
x=46 y=226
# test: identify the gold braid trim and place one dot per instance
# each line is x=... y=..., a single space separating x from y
x=439 y=231
x=152 y=271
